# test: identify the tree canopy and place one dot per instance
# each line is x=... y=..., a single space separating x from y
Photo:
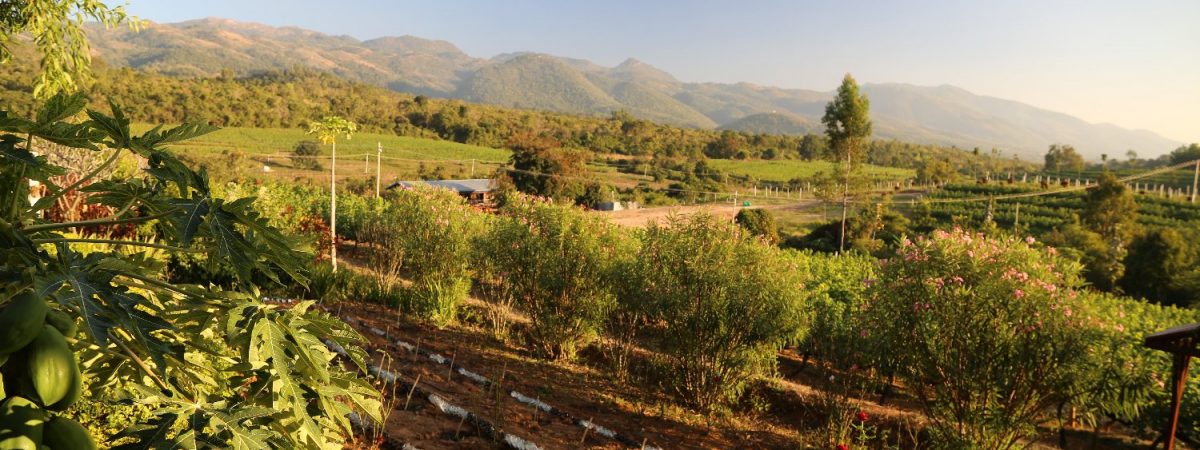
x=1063 y=157
x=57 y=28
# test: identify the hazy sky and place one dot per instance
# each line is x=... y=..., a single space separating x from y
x=1132 y=63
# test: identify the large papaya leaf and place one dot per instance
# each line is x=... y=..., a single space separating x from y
x=79 y=291
x=114 y=127
x=192 y=213
x=60 y=107
x=154 y=138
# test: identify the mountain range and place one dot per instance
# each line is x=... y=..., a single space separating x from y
x=944 y=115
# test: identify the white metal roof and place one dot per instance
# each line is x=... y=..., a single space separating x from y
x=460 y=186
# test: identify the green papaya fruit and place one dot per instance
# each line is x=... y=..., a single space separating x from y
x=21 y=322
x=21 y=424
x=73 y=393
x=62 y=322
x=3 y=359
x=50 y=364
x=63 y=433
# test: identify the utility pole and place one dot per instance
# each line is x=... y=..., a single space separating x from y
x=472 y=167
x=1195 y=179
x=333 y=205
x=1017 y=216
x=378 y=163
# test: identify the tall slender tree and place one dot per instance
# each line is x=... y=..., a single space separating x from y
x=327 y=130
x=848 y=125
x=1110 y=210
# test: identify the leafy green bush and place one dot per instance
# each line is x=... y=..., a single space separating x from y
x=836 y=294
x=556 y=263
x=721 y=301
x=758 y=222
x=424 y=234
x=1124 y=379
x=987 y=332
x=304 y=155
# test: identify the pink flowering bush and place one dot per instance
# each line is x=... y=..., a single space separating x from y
x=985 y=332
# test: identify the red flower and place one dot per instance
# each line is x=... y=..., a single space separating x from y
x=862 y=416
x=843 y=447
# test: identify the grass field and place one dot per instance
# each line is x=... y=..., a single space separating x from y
x=784 y=170
x=404 y=158
x=262 y=141
x=239 y=152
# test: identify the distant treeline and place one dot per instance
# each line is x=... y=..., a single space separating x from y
x=291 y=98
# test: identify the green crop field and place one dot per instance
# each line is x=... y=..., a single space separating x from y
x=784 y=170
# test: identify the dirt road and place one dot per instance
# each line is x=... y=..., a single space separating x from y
x=643 y=216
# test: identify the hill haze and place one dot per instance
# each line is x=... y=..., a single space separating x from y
x=943 y=115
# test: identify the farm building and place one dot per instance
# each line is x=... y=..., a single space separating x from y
x=476 y=191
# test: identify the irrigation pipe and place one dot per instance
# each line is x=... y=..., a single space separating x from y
x=482 y=425
x=588 y=425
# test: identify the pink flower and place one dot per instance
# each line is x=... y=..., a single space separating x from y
x=863 y=333
x=1017 y=293
x=1029 y=240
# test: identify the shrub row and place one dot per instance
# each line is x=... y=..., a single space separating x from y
x=992 y=334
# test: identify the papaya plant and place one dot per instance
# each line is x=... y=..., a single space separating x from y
x=218 y=367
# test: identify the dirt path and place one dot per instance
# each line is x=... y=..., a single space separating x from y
x=641 y=217
x=582 y=391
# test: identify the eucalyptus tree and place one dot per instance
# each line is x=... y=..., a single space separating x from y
x=848 y=125
x=327 y=130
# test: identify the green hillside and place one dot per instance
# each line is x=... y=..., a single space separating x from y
x=775 y=123
x=537 y=82
x=646 y=102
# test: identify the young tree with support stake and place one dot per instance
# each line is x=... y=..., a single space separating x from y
x=327 y=130
x=848 y=124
